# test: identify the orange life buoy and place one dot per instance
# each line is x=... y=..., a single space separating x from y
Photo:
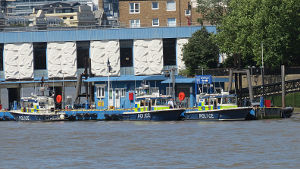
x=181 y=96
x=58 y=98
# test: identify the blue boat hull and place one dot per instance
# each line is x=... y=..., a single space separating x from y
x=37 y=117
x=223 y=114
x=159 y=115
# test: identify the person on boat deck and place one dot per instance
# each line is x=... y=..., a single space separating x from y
x=171 y=104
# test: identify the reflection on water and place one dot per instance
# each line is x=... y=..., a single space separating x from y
x=183 y=144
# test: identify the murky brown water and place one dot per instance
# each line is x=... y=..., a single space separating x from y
x=99 y=144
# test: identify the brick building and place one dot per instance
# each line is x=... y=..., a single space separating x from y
x=151 y=13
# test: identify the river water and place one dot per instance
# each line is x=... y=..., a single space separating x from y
x=184 y=144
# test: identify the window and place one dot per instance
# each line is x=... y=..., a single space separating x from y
x=135 y=23
x=171 y=5
x=126 y=53
x=154 y=90
x=187 y=12
x=169 y=91
x=83 y=53
x=64 y=17
x=100 y=92
x=122 y=92
x=39 y=55
x=171 y=22
x=155 y=5
x=169 y=51
x=139 y=92
x=134 y=8
x=155 y=22
x=71 y=17
x=110 y=94
x=1 y=56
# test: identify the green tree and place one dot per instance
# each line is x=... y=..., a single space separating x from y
x=212 y=10
x=201 y=50
x=251 y=23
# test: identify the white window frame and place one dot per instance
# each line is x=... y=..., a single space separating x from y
x=100 y=91
x=135 y=24
x=123 y=92
x=157 y=22
x=187 y=14
x=171 y=25
x=171 y=8
x=153 y=7
x=134 y=10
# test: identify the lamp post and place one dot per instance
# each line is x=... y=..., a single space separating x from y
x=262 y=72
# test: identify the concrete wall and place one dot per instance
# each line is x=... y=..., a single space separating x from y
x=148 y=57
x=101 y=51
x=62 y=59
x=18 y=61
x=180 y=43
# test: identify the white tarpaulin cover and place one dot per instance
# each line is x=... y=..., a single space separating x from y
x=101 y=51
x=62 y=59
x=148 y=57
x=18 y=61
x=180 y=43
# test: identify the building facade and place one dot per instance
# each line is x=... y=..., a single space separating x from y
x=163 y=13
x=72 y=14
x=25 y=7
x=57 y=58
x=111 y=10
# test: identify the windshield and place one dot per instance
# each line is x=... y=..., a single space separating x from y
x=229 y=100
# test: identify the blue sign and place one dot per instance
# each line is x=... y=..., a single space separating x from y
x=203 y=79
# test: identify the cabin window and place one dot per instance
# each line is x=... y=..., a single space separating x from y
x=83 y=53
x=154 y=90
x=42 y=104
x=169 y=91
x=169 y=51
x=39 y=55
x=1 y=56
x=100 y=92
x=126 y=53
x=140 y=92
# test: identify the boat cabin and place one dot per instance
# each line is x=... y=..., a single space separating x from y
x=151 y=102
x=41 y=104
x=222 y=100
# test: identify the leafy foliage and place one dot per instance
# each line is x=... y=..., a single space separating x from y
x=200 y=51
x=212 y=10
x=273 y=23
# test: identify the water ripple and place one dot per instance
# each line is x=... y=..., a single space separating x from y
x=188 y=144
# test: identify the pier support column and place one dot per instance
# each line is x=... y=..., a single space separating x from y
x=250 y=86
x=283 y=86
x=230 y=80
